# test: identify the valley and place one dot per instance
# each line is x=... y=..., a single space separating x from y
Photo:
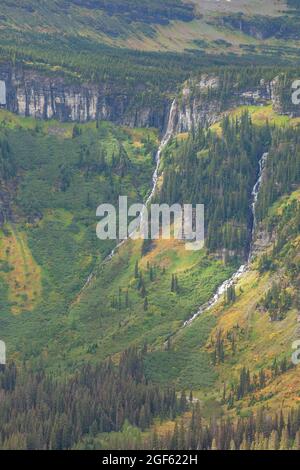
x=136 y=344
x=130 y=301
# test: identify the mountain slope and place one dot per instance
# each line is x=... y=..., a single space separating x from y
x=53 y=176
x=218 y=28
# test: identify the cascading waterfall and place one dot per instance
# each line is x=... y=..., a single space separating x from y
x=164 y=142
x=255 y=193
x=238 y=274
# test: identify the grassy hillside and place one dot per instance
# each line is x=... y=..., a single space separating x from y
x=58 y=175
x=105 y=341
x=130 y=301
x=250 y=335
x=255 y=330
x=48 y=321
x=206 y=29
x=262 y=342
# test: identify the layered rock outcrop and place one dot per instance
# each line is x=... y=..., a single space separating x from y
x=28 y=92
x=201 y=102
x=31 y=93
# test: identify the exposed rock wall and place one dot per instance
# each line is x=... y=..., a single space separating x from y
x=263 y=27
x=200 y=103
x=31 y=93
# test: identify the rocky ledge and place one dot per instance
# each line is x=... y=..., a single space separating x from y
x=32 y=93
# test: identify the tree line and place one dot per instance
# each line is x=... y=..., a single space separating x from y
x=38 y=411
x=218 y=171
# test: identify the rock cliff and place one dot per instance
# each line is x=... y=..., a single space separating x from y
x=32 y=93
x=201 y=102
x=28 y=92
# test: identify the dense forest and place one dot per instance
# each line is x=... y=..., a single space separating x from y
x=41 y=412
x=220 y=172
x=258 y=432
x=282 y=174
x=38 y=411
x=149 y=11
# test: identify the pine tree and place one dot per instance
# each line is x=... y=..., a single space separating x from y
x=214 y=444
x=296 y=445
x=183 y=402
x=173 y=283
x=273 y=441
x=136 y=270
x=175 y=438
x=181 y=440
x=284 y=442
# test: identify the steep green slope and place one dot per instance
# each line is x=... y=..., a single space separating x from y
x=56 y=175
x=56 y=178
x=73 y=169
x=249 y=335
x=95 y=399
x=141 y=303
x=216 y=28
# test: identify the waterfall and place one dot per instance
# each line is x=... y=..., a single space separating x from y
x=238 y=274
x=255 y=193
x=164 y=142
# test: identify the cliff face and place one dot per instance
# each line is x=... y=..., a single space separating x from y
x=262 y=27
x=200 y=102
x=30 y=93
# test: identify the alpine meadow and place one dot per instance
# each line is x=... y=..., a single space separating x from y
x=147 y=338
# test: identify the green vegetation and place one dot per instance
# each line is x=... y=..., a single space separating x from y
x=61 y=173
x=148 y=25
x=232 y=159
x=148 y=11
x=263 y=27
x=107 y=363
x=185 y=364
x=283 y=169
x=56 y=183
x=238 y=329
x=105 y=397
x=53 y=176
x=121 y=317
x=277 y=302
